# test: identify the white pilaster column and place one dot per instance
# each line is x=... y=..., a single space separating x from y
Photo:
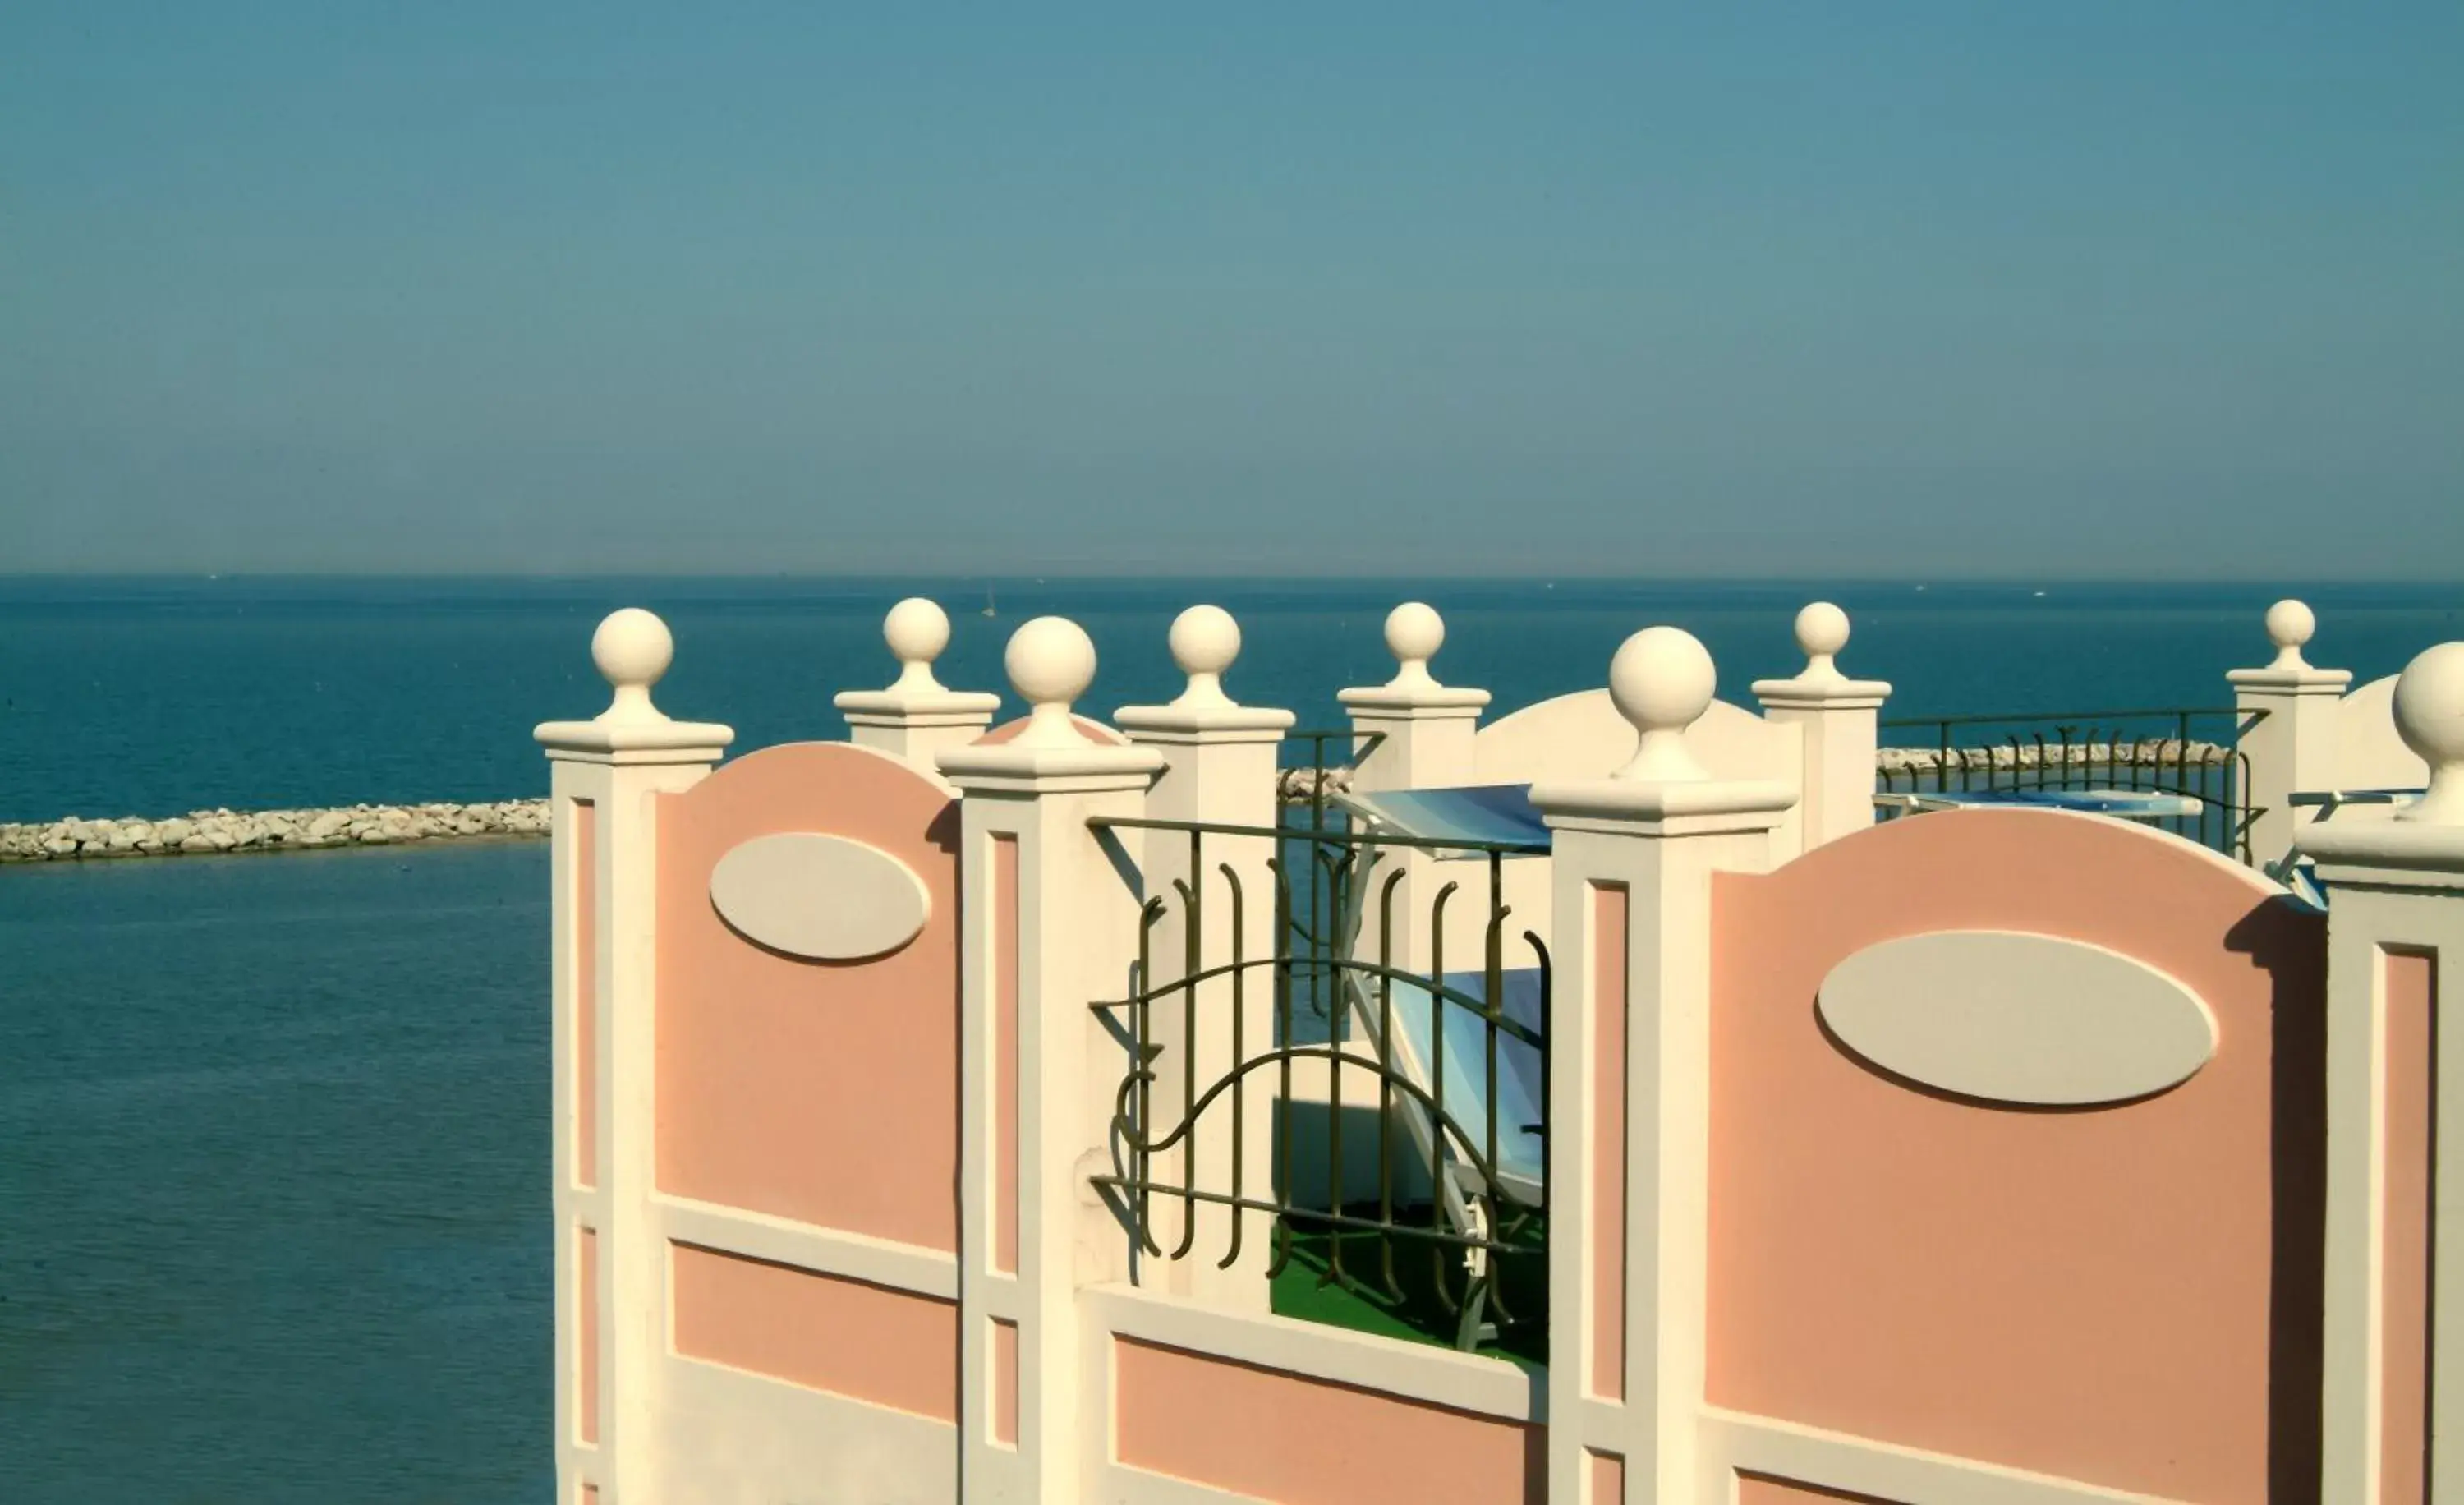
x=1051 y=927
x=1628 y=1108
x=1410 y=733
x=2288 y=730
x=1841 y=718
x=1219 y=768
x=917 y=718
x=2394 y=1306
x=610 y=1278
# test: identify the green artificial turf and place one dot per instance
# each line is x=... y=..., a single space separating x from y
x=1360 y=1300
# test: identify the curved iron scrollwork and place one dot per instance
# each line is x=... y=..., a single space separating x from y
x=1445 y=1173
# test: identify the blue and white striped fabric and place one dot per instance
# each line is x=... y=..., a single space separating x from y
x=1492 y=812
x=2128 y=803
x=1521 y=1156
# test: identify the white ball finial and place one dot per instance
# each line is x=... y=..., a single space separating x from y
x=917 y=631
x=2289 y=626
x=1821 y=633
x=1663 y=681
x=1204 y=642
x=632 y=648
x=1051 y=661
x=2429 y=717
x=1414 y=634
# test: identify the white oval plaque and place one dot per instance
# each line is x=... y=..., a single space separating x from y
x=821 y=897
x=2018 y=1018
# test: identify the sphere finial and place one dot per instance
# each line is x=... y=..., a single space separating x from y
x=2429 y=717
x=1204 y=641
x=1663 y=681
x=1821 y=633
x=1051 y=661
x=2289 y=626
x=632 y=648
x=917 y=631
x=1414 y=634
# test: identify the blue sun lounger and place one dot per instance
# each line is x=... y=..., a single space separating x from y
x=1495 y=813
x=1492 y=812
x=2127 y=804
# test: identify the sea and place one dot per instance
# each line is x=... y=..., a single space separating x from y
x=274 y=1130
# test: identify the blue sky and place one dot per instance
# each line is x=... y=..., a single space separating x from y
x=1890 y=289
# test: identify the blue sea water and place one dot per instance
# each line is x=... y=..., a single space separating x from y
x=274 y=1185
x=139 y=697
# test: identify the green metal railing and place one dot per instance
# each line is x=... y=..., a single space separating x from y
x=2191 y=751
x=1483 y=1278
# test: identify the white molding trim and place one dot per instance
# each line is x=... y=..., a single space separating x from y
x=1808 y=1455
x=906 y=1268
x=1314 y=1351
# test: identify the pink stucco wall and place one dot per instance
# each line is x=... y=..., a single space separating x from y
x=890 y=1348
x=1278 y=1436
x=1004 y=1365
x=1004 y=900
x=821 y=1091
x=2408 y=982
x=586 y=1346
x=584 y=902
x=2124 y=1295
x=1610 y=932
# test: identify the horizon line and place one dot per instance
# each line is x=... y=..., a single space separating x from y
x=1328 y=576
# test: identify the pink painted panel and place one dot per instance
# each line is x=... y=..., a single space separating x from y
x=1285 y=1437
x=1610 y=919
x=1608 y=1478
x=1006 y=1086
x=1754 y=1488
x=586 y=1355
x=826 y=1091
x=591 y=1495
x=1004 y=1367
x=584 y=816
x=889 y=1348
x=2409 y=982
x=2125 y=1295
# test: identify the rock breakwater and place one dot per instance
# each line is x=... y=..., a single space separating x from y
x=2010 y=755
x=204 y=832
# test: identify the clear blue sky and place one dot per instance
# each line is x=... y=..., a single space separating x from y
x=1998 y=289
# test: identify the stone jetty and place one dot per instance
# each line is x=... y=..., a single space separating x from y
x=2009 y=757
x=203 y=833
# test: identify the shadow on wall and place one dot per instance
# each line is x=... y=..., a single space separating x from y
x=2282 y=939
